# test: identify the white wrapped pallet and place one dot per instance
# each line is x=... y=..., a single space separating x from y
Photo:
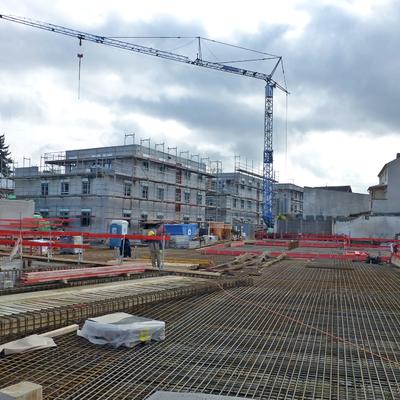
x=122 y=329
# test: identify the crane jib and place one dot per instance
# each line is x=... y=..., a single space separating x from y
x=270 y=84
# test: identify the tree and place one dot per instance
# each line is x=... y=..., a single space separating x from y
x=5 y=159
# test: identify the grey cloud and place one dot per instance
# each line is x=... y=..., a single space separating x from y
x=16 y=107
x=344 y=65
x=354 y=61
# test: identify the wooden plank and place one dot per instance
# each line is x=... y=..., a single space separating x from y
x=61 y=331
x=191 y=272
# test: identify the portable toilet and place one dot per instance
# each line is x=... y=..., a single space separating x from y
x=191 y=230
x=117 y=227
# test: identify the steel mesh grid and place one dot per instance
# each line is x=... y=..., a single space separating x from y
x=299 y=333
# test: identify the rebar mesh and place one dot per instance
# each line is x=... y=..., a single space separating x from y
x=301 y=332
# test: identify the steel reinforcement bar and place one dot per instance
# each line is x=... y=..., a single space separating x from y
x=83 y=282
x=45 y=315
x=304 y=330
x=149 y=272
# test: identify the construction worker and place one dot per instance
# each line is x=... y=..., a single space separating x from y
x=125 y=248
x=155 y=251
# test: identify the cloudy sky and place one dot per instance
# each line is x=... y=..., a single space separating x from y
x=339 y=125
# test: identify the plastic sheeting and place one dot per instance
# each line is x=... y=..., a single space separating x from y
x=28 y=343
x=122 y=329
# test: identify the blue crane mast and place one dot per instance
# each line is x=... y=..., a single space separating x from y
x=270 y=85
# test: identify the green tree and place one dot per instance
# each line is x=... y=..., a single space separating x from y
x=5 y=159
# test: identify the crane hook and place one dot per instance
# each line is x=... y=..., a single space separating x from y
x=80 y=56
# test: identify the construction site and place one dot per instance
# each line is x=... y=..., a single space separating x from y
x=309 y=318
x=139 y=271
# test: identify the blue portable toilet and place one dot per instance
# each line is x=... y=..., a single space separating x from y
x=117 y=227
x=191 y=230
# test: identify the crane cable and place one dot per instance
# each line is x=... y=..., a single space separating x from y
x=286 y=137
x=286 y=121
x=80 y=56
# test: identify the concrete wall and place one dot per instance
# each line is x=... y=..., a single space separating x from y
x=16 y=208
x=331 y=203
x=304 y=226
x=370 y=226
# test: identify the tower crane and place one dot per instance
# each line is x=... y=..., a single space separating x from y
x=270 y=85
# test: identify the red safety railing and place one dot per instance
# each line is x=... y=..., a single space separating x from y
x=52 y=244
x=271 y=243
x=88 y=235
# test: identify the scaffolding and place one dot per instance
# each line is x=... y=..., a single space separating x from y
x=236 y=197
x=159 y=185
x=143 y=183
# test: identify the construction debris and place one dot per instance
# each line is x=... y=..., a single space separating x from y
x=248 y=263
x=35 y=342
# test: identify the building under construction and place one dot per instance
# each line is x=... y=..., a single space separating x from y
x=235 y=197
x=91 y=187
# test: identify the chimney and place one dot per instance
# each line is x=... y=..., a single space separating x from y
x=398 y=155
